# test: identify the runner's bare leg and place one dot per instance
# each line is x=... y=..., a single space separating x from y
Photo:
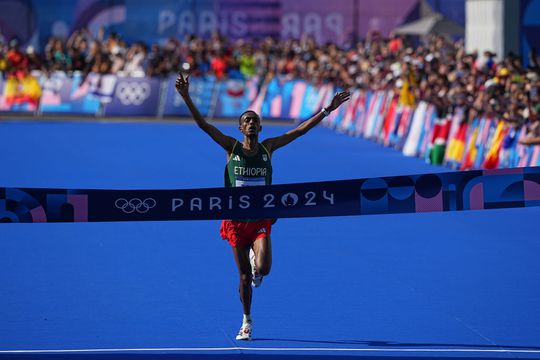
x=263 y=255
x=241 y=256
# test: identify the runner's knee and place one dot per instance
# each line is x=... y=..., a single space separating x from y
x=264 y=268
x=245 y=279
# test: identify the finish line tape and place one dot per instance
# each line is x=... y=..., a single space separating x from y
x=452 y=191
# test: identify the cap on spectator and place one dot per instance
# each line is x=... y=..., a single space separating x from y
x=503 y=72
x=532 y=76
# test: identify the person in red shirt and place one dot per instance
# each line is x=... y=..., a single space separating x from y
x=17 y=62
x=20 y=86
x=219 y=65
x=395 y=44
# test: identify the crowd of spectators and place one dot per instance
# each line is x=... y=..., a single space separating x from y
x=435 y=70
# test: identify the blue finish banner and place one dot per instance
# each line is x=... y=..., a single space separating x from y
x=453 y=191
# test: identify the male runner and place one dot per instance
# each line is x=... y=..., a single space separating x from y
x=248 y=164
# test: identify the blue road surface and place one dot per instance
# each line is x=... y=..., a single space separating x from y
x=435 y=285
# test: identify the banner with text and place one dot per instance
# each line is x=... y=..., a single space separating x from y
x=154 y=21
x=453 y=191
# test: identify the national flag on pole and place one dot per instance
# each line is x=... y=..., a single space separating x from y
x=438 y=141
x=492 y=157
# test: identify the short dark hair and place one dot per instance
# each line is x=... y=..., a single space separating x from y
x=244 y=113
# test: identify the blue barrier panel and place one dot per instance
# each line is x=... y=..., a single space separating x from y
x=234 y=96
x=201 y=90
x=312 y=101
x=464 y=190
x=69 y=95
x=280 y=98
x=100 y=86
x=134 y=97
x=271 y=104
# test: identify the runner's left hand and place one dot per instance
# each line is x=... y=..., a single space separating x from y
x=339 y=98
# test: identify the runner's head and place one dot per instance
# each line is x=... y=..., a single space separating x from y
x=250 y=123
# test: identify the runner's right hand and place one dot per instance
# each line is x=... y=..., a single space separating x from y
x=182 y=85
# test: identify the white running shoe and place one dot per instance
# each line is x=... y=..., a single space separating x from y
x=256 y=279
x=245 y=331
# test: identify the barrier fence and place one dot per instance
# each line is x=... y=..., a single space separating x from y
x=111 y=95
x=452 y=140
x=484 y=142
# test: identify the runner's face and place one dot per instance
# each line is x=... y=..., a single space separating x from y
x=250 y=124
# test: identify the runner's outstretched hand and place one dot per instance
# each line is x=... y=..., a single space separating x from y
x=339 y=98
x=182 y=85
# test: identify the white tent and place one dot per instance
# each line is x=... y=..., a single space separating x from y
x=435 y=23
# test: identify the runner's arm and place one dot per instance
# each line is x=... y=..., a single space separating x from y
x=182 y=86
x=275 y=143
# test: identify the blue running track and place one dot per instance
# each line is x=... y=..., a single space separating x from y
x=438 y=285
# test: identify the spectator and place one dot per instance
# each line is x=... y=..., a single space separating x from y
x=135 y=57
x=437 y=71
x=218 y=65
x=247 y=62
x=34 y=60
x=20 y=86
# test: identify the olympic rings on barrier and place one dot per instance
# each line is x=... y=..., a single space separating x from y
x=132 y=93
x=135 y=204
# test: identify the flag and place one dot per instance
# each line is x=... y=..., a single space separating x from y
x=485 y=134
x=472 y=151
x=508 y=145
x=438 y=140
x=535 y=158
x=492 y=157
x=456 y=138
x=389 y=120
x=22 y=90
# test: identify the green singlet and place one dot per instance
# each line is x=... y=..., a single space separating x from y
x=243 y=170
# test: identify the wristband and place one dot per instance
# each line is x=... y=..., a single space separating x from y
x=325 y=111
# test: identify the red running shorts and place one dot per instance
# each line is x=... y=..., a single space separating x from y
x=242 y=233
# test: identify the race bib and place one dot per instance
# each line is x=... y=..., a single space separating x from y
x=255 y=181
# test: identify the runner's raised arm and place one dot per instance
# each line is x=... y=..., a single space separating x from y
x=182 y=86
x=275 y=143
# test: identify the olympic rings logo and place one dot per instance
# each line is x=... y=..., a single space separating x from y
x=132 y=93
x=138 y=205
